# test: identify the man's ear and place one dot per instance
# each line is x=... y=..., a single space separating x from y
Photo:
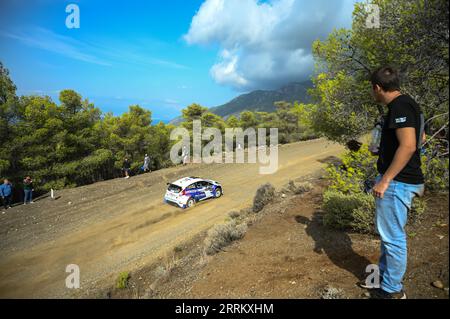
x=377 y=88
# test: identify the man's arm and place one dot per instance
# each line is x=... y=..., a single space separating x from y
x=407 y=146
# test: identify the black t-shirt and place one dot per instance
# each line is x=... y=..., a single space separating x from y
x=403 y=112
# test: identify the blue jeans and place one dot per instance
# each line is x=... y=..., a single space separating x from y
x=391 y=217
x=28 y=195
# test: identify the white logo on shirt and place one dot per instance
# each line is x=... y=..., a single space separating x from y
x=400 y=120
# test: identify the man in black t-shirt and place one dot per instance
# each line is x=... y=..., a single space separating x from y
x=403 y=112
x=400 y=178
x=126 y=167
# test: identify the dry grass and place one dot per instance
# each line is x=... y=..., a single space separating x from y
x=300 y=188
x=223 y=235
x=264 y=195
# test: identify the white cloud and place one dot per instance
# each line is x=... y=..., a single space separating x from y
x=265 y=44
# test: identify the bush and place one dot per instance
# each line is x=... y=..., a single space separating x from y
x=436 y=173
x=264 y=195
x=417 y=210
x=222 y=235
x=234 y=215
x=357 y=211
x=349 y=211
x=300 y=188
x=122 y=280
x=356 y=168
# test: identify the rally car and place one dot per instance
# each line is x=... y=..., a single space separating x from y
x=186 y=191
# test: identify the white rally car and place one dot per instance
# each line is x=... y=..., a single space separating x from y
x=186 y=191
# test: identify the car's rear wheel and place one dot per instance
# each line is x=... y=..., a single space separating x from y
x=190 y=202
x=218 y=192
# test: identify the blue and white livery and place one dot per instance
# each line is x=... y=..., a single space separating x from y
x=186 y=191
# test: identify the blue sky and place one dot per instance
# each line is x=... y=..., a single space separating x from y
x=162 y=55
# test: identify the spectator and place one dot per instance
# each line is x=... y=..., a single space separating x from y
x=146 y=166
x=6 y=193
x=126 y=167
x=28 y=190
x=400 y=179
x=185 y=155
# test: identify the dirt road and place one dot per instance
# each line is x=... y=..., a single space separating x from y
x=122 y=225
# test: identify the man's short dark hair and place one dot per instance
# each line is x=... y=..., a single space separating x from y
x=387 y=78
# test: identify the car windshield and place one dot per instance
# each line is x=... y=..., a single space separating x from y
x=174 y=188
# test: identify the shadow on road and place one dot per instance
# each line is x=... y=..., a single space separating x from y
x=337 y=245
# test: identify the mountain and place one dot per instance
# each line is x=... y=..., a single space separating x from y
x=264 y=100
x=261 y=100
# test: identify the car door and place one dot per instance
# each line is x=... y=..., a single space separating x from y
x=199 y=191
x=208 y=189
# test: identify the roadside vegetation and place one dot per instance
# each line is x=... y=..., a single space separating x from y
x=122 y=280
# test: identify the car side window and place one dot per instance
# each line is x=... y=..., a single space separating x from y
x=199 y=185
x=208 y=185
x=192 y=186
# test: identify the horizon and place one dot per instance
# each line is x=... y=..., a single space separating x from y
x=163 y=56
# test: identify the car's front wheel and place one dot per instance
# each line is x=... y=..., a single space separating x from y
x=218 y=192
x=190 y=202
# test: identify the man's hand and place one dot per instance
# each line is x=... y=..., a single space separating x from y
x=380 y=188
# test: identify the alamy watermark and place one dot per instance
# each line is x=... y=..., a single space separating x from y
x=373 y=16
x=373 y=279
x=73 y=279
x=73 y=19
x=257 y=149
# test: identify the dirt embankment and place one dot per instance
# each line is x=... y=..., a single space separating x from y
x=288 y=253
x=122 y=225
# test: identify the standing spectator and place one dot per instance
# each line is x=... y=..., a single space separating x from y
x=126 y=167
x=185 y=155
x=6 y=193
x=400 y=179
x=28 y=190
x=146 y=166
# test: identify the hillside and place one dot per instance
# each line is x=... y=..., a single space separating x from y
x=287 y=252
x=123 y=225
x=261 y=100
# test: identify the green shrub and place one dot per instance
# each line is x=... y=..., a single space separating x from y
x=357 y=211
x=356 y=168
x=436 y=173
x=349 y=211
x=417 y=210
x=4 y=165
x=122 y=280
